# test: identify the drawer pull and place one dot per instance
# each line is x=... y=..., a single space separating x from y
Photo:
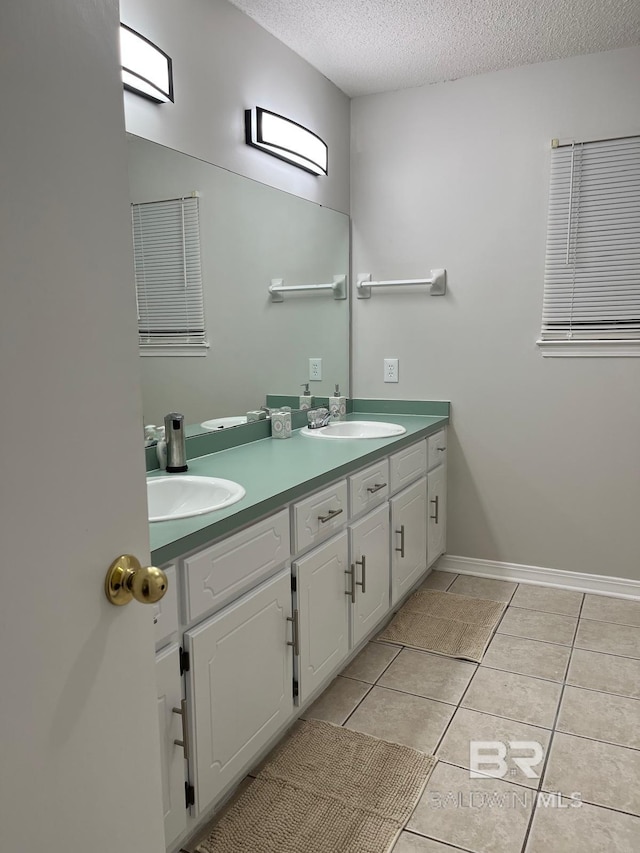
x=363 y=582
x=401 y=548
x=331 y=514
x=375 y=488
x=435 y=501
x=184 y=743
x=351 y=592
x=442 y=449
x=295 y=633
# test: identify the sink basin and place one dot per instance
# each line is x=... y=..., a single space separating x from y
x=183 y=495
x=355 y=429
x=222 y=423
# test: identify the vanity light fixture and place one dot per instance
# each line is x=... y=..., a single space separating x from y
x=146 y=70
x=286 y=139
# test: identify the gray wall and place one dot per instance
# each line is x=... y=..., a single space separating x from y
x=545 y=453
x=224 y=63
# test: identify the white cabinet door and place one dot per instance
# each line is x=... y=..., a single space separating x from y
x=408 y=538
x=322 y=617
x=370 y=571
x=437 y=529
x=240 y=684
x=171 y=754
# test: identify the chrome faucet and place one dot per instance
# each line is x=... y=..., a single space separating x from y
x=176 y=445
x=318 y=418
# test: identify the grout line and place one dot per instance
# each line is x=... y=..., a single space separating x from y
x=487 y=776
x=448 y=726
x=520 y=637
x=416 y=695
x=431 y=838
x=601 y=652
x=526 y=674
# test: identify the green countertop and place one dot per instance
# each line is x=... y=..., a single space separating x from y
x=274 y=472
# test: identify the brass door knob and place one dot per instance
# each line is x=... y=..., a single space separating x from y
x=127 y=579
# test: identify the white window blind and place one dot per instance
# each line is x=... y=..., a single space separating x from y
x=166 y=240
x=592 y=273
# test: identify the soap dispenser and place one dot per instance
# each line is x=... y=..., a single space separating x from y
x=306 y=399
x=176 y=445
x=338 y=406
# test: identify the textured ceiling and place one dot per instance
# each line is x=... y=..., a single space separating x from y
x=367 y=46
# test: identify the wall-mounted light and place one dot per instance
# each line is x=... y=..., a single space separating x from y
x=286 y=140
x=146 y=70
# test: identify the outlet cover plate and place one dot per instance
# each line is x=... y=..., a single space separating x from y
x=315 y=369
x=391 y=370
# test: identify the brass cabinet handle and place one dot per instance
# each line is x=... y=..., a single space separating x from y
x=401 y=548
x=127 y=579
x=331 y=514
x=375 y=488
x=435 y=501
x=363 y=582
x=295 y=633
x=184 y=743
x=351 y=592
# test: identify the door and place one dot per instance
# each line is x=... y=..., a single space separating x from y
x=370 y=571
x=437 y=492
x=408 y=538
x=323 y=612
x=172 y=729
x=79 y=758
x=240 y=685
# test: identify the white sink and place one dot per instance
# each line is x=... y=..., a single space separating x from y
x=355 y=429
x=184 y=495
x=222 y=423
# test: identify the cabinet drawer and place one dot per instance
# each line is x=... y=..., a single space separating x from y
x=369 y=488
x=317 y=517
x=437 y=448
x=407 y=465
x=165 y=611
x=216 y=575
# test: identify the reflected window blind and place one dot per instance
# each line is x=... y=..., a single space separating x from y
x=592 y=272
x=166 y=240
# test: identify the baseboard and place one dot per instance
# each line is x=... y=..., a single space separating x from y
x=579 y=581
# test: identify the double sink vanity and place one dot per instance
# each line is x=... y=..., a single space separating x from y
x=271 y=595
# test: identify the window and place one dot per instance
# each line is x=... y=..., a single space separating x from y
x=166 y=242
x=592 y=274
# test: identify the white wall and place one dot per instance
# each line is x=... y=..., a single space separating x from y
x=224 y=63
x=545 y=453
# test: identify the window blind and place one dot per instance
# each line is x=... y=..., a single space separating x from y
x=592 y=271
x=166 y=240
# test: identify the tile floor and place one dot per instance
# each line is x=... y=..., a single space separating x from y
x=562 y=672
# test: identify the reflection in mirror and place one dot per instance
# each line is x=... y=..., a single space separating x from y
x=249 y=234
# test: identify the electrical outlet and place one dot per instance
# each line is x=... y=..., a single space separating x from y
x=315 y=369
x=391 y=370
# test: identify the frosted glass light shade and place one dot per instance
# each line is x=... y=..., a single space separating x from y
x=146 y=70
x=287 y=140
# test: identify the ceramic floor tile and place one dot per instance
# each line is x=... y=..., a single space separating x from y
x=432 y=676
x=528 y=657
x=601 y=716
x=562 y=601
x=519 y=697
x=480 y=815
x=605 y=673
x=609 y=638
x=535 y=625
x=439 y=580
x=602 y=608
x=410 y=843
x=603 y=774
x=372 y=661
x=483 y=588
x=469 y=726
x=337 y=701
x=401 y=718
x=587 y=829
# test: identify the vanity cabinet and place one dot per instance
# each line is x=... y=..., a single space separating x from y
x=369 y=572
x=321 y=613
x=239 y=683
x=409 y=538
x=172 y=754
x=270 y=614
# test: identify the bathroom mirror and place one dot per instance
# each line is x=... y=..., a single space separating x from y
x=250 y=233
